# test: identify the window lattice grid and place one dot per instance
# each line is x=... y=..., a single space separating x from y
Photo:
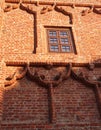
x=60 y=40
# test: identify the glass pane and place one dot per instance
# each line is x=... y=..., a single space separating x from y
x=65 y=48
x=63 y=33
x=52 y=33
x=64 y=40
x=54 y=48
x=53 y=40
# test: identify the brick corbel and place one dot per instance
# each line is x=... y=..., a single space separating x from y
x=10 y=7
x=22 y=6
x=97 y=11
x=10 y=80
x=87 y=11
x=90 y=10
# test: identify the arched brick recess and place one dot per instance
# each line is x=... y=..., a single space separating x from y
x=75 y=103
x=25 y=97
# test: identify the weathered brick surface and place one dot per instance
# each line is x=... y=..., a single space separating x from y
x=25 y=105
x=17 y=41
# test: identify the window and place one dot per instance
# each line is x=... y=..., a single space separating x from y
x=60 y=40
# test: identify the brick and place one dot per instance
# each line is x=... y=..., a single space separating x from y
x=27 y=104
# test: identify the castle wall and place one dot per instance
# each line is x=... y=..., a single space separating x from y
x=42 y=90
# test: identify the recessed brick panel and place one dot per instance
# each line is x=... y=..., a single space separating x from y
x=75 y=103
x=18 y=32
x=25 y=102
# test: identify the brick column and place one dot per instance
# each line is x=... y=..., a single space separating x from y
x=1 y=23
x=97 y=91
x=2 y=78
x=51 y=104
x=2 y=64
x=2 y=3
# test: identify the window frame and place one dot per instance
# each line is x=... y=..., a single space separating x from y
x=58 y=36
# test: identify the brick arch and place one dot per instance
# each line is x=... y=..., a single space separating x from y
x=58 y=9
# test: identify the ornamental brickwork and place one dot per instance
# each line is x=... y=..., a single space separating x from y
x=42 y=88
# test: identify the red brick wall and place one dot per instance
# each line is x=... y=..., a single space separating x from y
x=18 y=32
x=25 y=104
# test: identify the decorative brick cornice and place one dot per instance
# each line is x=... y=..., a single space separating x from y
x=58 y=9
x=16 y=76
x=52 y=3
x=10 y=7
x=85 y=79
x=84 y=12
x=11 y=63
x=58 y=78
x=27 y=8
x=90 y=10
x=33 y=72
x=41 y=79
x=97 y=11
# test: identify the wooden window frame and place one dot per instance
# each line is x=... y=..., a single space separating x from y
x=58 y=36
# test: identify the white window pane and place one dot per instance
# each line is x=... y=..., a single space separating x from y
x=54 y=48
x=64 y=40
x=53 y=40
x=65 y=48
x=52 y=33
x=63 y=33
